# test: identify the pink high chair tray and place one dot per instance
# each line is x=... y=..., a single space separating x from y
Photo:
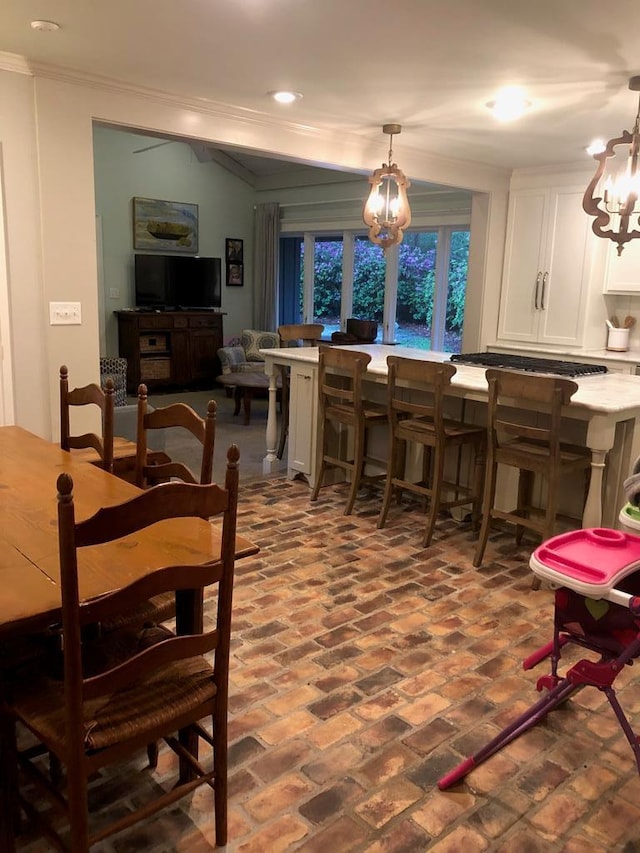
x=590 y=561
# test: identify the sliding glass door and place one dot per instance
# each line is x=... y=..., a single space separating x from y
x=416 y=291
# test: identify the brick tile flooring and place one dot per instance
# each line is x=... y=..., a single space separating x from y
x=363 y=668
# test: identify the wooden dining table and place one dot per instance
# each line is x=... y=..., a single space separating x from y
x=29 y=564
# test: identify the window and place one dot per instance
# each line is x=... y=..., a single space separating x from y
x=421 y=284
x=327 y=282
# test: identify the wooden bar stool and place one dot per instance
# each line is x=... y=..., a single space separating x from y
x=531 y=449
x=340 y=375
x=418 y=417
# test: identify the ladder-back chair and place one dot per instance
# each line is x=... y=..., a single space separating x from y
x=92 y=719
x=179 y=416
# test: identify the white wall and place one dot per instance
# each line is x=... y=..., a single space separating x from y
x=25 y=345
x=52 y=140
x=171 y=172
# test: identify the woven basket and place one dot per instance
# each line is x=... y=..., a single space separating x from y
x=155 y=368
x=153 y=343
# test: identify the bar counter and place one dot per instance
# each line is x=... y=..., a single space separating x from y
x=607 y=405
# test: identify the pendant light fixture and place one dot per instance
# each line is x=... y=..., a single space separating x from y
x=613 y=197
x=386 y=211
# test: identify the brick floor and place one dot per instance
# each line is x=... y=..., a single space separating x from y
x=363 y=668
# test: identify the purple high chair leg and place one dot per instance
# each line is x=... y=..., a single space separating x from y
x=584 y=673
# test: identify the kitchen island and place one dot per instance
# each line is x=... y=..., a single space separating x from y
x=602 y=416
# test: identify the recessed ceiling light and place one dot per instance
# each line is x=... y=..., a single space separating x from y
x=509 y=104
x=596 y=147
x=45 y=26
x=285 y=97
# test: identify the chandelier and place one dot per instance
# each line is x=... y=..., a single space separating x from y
x=386 y=211
x=613 y=198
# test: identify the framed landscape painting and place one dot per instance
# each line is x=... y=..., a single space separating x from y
x=165 y=226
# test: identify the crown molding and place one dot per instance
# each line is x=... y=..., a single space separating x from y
x=253 y=119
x=15 y=63
x=198 y=104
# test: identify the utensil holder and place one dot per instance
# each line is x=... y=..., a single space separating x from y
x=618 y=340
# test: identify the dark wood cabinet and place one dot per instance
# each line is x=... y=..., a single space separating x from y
x=170 y=348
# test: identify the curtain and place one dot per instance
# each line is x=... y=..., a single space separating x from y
x=265 y=265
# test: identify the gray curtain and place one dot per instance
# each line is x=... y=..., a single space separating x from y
x=265 y=265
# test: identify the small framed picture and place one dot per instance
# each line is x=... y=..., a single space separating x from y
x=234 y=250
x=235 y=275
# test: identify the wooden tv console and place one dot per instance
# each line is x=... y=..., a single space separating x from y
x=170 y=348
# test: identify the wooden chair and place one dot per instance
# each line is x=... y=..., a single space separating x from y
x=160 y=608
x=340 y=401
x=90 y=720
x=178 y=415
x=531 y=449
x=102 y=445
x=423 y=422
x=307 y=335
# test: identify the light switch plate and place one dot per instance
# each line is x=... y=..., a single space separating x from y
x=65 y=314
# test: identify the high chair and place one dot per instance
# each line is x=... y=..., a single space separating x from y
x=597 y=607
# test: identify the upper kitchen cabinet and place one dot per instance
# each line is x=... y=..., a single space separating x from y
x=622 y=273
x=546 y=268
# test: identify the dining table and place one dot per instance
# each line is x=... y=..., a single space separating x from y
x=30 y=599
x=30 y=591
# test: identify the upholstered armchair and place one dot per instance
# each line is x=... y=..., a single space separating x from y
x=244 y=356
x=243 y=368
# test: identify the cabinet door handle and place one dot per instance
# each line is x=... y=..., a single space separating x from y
x=535 y=298
x=545 y=279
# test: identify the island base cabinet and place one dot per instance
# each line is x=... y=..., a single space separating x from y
x=303 y=421
x=303 y=429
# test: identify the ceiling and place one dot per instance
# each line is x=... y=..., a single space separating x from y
x=430 y=65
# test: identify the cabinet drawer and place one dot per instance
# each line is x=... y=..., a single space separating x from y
x=203 y=322
x=155 y=321
x=180 y=322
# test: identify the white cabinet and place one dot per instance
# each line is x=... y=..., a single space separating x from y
x=546 y=269
x=303 y=407
x=622 y=274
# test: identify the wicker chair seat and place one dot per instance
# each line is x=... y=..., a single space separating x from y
x=178 y=688
x=155 y=610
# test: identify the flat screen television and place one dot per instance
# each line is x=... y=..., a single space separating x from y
x=171 y=282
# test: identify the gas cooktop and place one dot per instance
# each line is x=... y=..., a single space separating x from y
x=532 y=364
